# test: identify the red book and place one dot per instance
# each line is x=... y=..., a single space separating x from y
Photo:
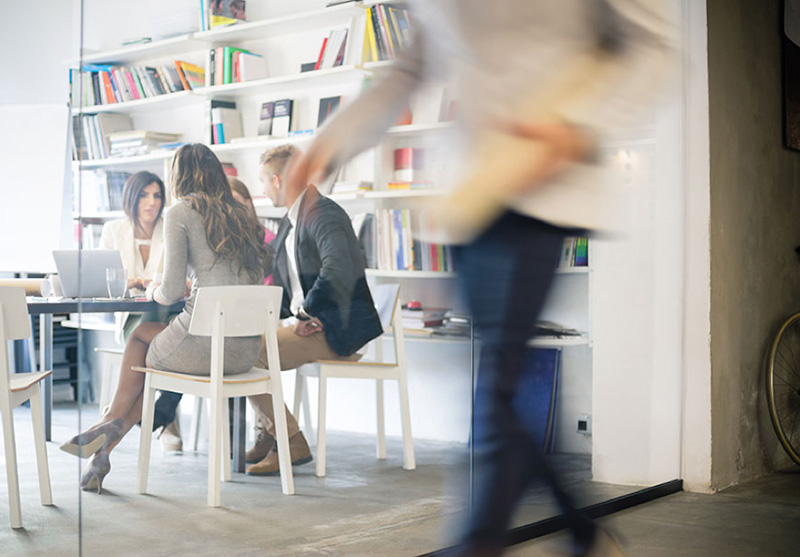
x=321 y=53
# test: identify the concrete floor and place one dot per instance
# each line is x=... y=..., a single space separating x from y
x=363 y=507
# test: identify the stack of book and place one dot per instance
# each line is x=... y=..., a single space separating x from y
x=138 y=142
x=423 y=319
x=456 y=324
x=574 y=253
x=100 y=84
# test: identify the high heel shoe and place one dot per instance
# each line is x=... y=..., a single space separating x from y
x=95 y=472
x=87 y=443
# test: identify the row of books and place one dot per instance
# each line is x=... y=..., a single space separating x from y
x=387 y=31
x=101 y=84
x=100 y=190
x=90 y=134
x=574 y=253
x=394 y=240
x=228 y=64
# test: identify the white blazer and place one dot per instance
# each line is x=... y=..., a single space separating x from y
x=118 y=235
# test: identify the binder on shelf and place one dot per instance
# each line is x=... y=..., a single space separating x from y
x=227 y=124
x=265 y=118
x=211 y=104
x=327 y=106
x=282 y=118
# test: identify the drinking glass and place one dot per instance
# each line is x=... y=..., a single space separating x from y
x=116 y=282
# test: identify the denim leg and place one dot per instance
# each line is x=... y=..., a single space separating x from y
x=506 y=275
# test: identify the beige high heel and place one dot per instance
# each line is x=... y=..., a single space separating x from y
x=89 y=442
x=95 y=472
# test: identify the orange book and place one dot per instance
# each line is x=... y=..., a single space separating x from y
x=179 y=68
x=107 y=86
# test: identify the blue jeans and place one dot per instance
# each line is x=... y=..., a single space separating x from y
x=505 y=275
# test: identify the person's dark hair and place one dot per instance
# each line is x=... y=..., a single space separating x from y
x=233 y=232
x=238 y=186
x=133 y=189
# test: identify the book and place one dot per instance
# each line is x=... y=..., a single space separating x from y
x=227 y=63
x=226 y=12
x=250 y=66
x=109 y=123
x=350 y=187
x=327 y=106
x=193 y=76
x=321 y=53
x=408 y=164
x=354 y=45
x=227 y=123
x=282 y=118
x=265 y=118
x=211 y=104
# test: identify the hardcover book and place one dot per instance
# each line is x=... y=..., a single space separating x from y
x=265 y=118
x=327 y=106
x=282 y=118
x=227 y=12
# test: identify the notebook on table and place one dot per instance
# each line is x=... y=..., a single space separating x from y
x=83 y=272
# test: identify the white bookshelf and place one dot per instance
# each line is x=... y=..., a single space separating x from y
x=275 y=27
x=160 y=102
x=270 y=85
x=134 y=53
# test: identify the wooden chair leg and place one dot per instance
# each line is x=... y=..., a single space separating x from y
x=409 y=462
x=146 y=438
x=321 y=425
x=379 y=406
x=10 y=445
x=37 y=418
x=299 y=385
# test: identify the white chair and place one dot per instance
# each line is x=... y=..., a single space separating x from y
x=220 y=312
x=14 y=390
x=387 y=302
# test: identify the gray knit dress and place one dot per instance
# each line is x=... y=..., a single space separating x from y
x=187 y=253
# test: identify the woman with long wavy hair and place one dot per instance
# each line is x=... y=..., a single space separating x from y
x=215 y=241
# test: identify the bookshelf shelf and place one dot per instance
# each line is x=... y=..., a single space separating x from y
x=572 y=271
x=135 y=53
x=557 y=342
x=151 y=103
x=418 y=129
x=99 y=216
x=259 y=143
x=385 y=194
x=123 y=161
x=381 y=273
x=285 y=25
x=371 y=66
x=273 y=84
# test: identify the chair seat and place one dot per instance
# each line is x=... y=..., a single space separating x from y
x=252 y=376
x=115 y=351
x=21 y=381
x=355 y=363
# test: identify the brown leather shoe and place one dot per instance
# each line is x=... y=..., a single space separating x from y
x=264 y=443
x=298 y=448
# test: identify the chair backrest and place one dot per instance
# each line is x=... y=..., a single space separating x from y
x=16 y=324
x=385 y=297
x=244 y=307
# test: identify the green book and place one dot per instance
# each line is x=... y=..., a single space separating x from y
x=227 y=62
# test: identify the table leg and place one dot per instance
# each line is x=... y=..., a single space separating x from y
x=239 y=428
x=46 y=363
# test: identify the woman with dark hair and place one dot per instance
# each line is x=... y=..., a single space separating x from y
x=216 y=241
x=139 y=238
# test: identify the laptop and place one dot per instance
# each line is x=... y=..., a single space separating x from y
x=91 y=273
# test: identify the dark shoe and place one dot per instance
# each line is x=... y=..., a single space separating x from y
x=94 y=439
x=604 y=544
x=264 y=443
x=298 y=448
x=170 y=436
x=95 y=472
